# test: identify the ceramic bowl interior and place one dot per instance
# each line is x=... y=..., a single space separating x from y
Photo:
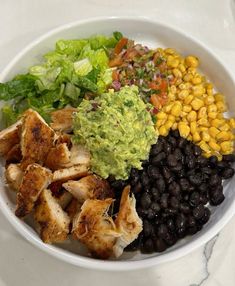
x=152 y=34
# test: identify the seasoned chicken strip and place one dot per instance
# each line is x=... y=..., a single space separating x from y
x=95 y=228
x=62 y=119
x=9 y=137
x=74 y=172
x=127 y=222
x=89 y=187
x=58 y=157
x=54 y=222
x=36 y=138
x=14 y=155
x=79 y=155
x=73 y=208
x=36 y=178
x=14 y=176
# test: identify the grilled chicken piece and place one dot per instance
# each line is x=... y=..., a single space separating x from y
x=79 y=155
x=64 y=199
x=14 y=176
x=62 y=119
x=74 y=172
x=14 y=155
x=54 y=222
x=9 y=137
x=58 y=157
x=89 y=187
x=36 y=138
x=73 y=208
x=35 y=179
x=127 y=222
x=95 y=228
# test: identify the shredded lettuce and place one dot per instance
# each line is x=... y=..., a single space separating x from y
x=74 y=68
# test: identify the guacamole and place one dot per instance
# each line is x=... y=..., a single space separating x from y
x=118 y=130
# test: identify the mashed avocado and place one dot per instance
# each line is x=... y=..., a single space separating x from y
x=117 y=129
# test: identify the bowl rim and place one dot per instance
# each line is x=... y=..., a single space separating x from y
x=88 y=262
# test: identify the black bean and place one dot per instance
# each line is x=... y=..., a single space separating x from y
x=170 y=180
x=188 y=149
x=133 y=246
x=155 y=193
x=201 y=161
x=191 y=221
x=204 y=199
x=145 y=163
x=203 y=187
x=185 y=208
x=166 y=172
x=214 y=180
x=206 y=216
x=175 y=133
x=170 y=212
x=196 y=179
x=158 y=159
x=186 y=197
x=199 y=211
x=181 y=232
x=170 y=239
x=227 y=173
x=180 y=221
x=213 y=160
x=167 y=148
x=148 y=246
x=170 y=225
x=156 y=149
x=192 y=230
x=159 y=245
x=229 y=158
x=147 y=228
x=174 y=189
x=190 y=161
x=216 y=198
x=155 y=207
x=171 y=160
x=194 y=199
x=150 y=214
x=197 y=150
x=182 y=142
x=162 y=231
x=177 y=168
x=191 y=188
x=222 y=165
x=160 y=185
x=181 y=173
x=153 y=172
x=145 y=180
x=134 y=173
x=119 y=184
x=164 y=200
x=145 y=200
x=184 y=184
x=158 y=220
x=174 y=202
x=141 y=212
x=172 y=141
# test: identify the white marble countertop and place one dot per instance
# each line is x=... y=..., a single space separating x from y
x=213 y=22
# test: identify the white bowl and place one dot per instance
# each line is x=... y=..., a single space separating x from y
x=153 y=34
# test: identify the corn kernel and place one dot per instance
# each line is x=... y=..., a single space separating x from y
x=161 y=115
x=198 y=90
x=160 y=122
x=219 y=97
x=204 y=146
x=176 y=109
x=212 y=108
x=170 y=51
x=225 y=127
x=202 y=112
x=204 y=122
x=192 y=116
x=188 y=77
x=188 y=99
x=182 y=68
x=174 y=126
x=168 y=107
x=163 y=131
x=205 y=136
x=213 y=131
x=183 y=94
x=196 y=137
x=207 y=154
x=197 y=103
x=214 y=145
x=217 y=122
x=221 y=106
x=173 y=89
x=226 y=146
x=172 y=63
x=192 y=70
x=177 y=73
x=196 y=79
x=171 y=96
x=187 y=108
x=193 y=127
x=209 y=99
x=203 y=128
x=223 y=136
x=212 y=115
x=171 y=117
x=209 y=91
x=232 y=122
x=184 y=130
x=191 y=61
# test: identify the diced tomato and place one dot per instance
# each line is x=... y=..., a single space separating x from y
x=115 y=75
x=154 y=99
x=120 y=45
